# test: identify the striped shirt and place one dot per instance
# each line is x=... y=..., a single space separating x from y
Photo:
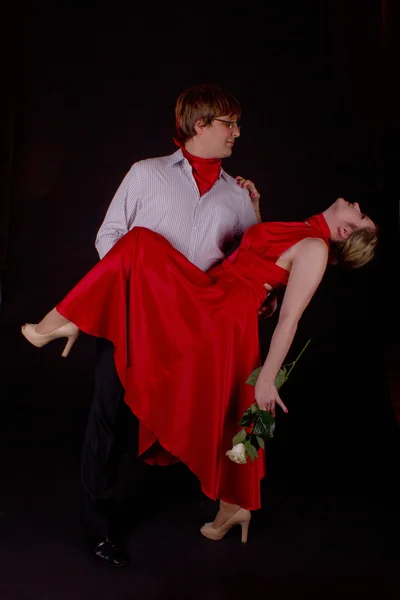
x=161 y=194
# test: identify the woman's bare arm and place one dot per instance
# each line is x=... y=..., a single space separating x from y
x=307 y=270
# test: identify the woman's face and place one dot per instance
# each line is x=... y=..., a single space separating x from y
x=353 y=217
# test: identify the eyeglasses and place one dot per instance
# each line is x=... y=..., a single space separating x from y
x=229 y=124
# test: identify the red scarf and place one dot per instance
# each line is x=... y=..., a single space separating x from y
x=319 y=223
x=205 y=170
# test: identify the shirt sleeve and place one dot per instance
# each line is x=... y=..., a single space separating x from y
x=249 y=217
x=121 y=213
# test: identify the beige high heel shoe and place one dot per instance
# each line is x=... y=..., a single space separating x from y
x=68 y=330
x=241 y=517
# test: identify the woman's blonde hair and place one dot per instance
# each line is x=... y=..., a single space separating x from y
x=204 y=102
x=358 y=250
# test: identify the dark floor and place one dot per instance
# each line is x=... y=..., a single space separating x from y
x=313 y=538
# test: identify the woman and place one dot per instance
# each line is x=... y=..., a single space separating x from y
x=185 y=341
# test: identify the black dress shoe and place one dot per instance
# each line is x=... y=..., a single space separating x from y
x=105 y=551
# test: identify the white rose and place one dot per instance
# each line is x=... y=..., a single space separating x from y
x=238 y=454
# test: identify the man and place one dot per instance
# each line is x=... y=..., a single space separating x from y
x=189 y=199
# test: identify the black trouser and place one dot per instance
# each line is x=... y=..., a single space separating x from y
x=105 y=442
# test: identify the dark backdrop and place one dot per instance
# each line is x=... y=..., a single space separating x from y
x=89 y=91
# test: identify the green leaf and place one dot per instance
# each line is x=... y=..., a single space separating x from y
x=239 y=438
x=281 y=378
x=251 y=451
x=253 y=440
x=266 y=417
x=264 y=426
x=252 y=378
x=260 y=442
x=247 y=418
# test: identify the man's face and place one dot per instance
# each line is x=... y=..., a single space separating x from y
x=219 y=137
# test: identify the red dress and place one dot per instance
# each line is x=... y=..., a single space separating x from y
x=186 y=341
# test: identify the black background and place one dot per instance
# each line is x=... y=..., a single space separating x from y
x=88 y=91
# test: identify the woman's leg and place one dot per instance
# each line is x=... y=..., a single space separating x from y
x=51 y=321
x=226 y=511
x=228 y=516
x=51 y=327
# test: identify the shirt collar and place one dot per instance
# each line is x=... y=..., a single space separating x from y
x=177 y=157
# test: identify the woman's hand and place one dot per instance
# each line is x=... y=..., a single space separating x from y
x=266 y=396
x=253 y=192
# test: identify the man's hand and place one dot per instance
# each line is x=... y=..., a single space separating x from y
x=268 y=308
